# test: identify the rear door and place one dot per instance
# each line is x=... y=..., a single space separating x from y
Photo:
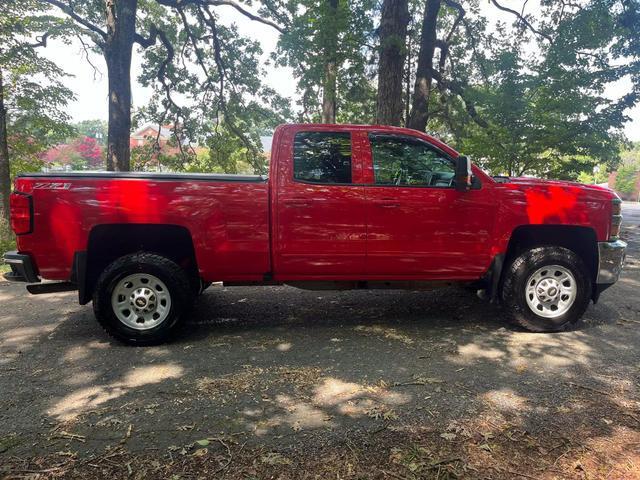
x=319 y=227
x=419 y=225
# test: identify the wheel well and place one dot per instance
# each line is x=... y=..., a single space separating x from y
x=581 y=240
x=110 y=242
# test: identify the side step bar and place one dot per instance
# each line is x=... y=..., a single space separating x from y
x=55 y=287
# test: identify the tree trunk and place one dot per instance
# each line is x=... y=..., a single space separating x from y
x=121 y=24
x=420 y=107
x=329 y=82
x=329 y=93
x=393 y=38
x=5 y=177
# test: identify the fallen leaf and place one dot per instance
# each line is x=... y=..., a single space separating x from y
x=201 y=452
x=275 y=459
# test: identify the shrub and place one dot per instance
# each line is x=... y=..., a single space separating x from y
x=7 y=241
x=626 y=179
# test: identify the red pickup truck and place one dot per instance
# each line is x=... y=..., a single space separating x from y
x=344 y=207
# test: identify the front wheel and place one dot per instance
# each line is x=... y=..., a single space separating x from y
x=140 y=299
x=546 y=289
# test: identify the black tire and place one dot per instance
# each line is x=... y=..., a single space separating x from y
x=514 y=288
x=174 y=278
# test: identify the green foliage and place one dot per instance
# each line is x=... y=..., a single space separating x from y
x=94 y=129
x=631 y=155
x=315 y=36
x=599 y=175
x=7 y=238
x=35 y=96
x=213 y=81
x=627 y=179
x=530 y=98
x=227 y=154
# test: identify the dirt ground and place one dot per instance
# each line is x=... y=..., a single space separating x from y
x=282 y=383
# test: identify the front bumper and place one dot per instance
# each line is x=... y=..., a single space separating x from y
x=22 y=268
x=611 y=256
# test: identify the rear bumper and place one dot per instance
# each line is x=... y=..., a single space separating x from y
x=22 y=268
x=611 y=255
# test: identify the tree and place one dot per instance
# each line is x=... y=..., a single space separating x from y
x=210 y=60
x=627 y=179
x=393 y=37
x=326 y=43
x=31 y=110
x=89 y=150
x=520 y=113
x=114 y=26
x=424 y=72
x=97 y=129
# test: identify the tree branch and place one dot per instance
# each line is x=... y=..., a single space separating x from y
x=154 y=32
x=461 y=14
x=231 y=3
x=68 y=9
x=244 y=12
x=40 y=41
x=85 y=49
x=220 y=64
x=458 y=89
x=523 y=20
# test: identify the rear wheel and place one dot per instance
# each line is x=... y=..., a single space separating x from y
x=140 y=299
x=546 y=289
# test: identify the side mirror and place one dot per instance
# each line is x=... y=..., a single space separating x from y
x=463 y=178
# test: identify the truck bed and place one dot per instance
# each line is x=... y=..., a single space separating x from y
x=227 y=216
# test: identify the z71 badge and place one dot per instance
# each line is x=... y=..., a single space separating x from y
x=52 y=186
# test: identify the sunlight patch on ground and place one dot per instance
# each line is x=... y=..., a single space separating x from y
x=82 y=352
x=524 y=351
x=85 y=399
x=333 y=391
x=507 y=400
x=23 y=336
x=297 y=414
x=386 y=332
x=331 y=399
x=614 y=456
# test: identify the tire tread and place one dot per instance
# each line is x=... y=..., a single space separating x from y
x=520 y=314
x=177 y=276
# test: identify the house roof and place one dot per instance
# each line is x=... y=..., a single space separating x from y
x=165 y=131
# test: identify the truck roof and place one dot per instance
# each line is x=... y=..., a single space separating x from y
x=337 y=127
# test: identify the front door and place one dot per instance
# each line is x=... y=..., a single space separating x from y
x=320 y=211
x=419 y=225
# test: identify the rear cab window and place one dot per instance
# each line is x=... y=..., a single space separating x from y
x=322 y=157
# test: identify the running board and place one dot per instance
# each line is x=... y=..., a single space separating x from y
x=54 y=287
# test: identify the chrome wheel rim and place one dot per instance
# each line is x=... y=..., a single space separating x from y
x=141 y=301
x=551 y=291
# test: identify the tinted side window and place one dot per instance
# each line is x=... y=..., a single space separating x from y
x=403 y=161
x=322 y=157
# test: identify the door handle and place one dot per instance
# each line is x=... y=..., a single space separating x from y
x=297 y=202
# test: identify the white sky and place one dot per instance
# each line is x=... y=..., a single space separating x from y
x=91 y=93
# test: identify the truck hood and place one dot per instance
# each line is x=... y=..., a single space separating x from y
x=538 y=182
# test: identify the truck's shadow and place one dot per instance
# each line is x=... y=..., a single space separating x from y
x=238 y=309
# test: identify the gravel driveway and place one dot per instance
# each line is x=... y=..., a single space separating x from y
x=283 y=383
